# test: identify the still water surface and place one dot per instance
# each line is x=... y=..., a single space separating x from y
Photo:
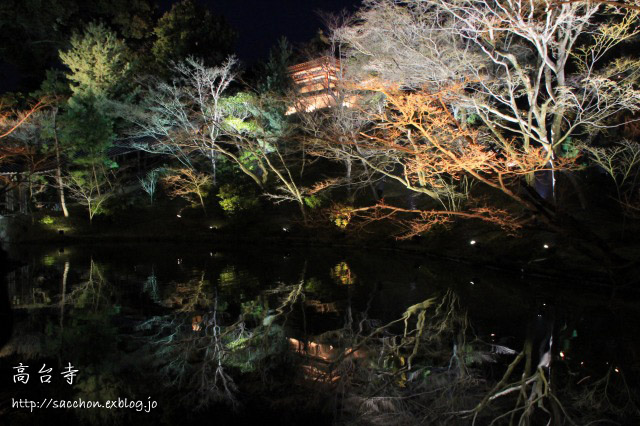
x=320 y=336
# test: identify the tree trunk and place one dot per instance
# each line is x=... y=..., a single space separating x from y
x=63 y=204
x=302 y=210
x=202 y=203
x=95 y=178
x=213 y=167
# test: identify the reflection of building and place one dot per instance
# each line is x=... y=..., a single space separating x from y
x=315 y=82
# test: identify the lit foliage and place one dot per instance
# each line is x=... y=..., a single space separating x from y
x=99 y=62
x=47 y=220
x=188 y=184
x=89 y=189
x=535 y=71
x=342 y=274
x=341 y=215
x=194 y=116
x=20 y=142
x=150 y=181
x=313 y=201
x=235 y=199
x=10 y=120
x=417 y=142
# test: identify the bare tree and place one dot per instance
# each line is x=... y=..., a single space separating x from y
x=334 y=133
x=150 y=182
x=88 y=189
x=194 y=115
x=184 y=117
x=188 y=184
x=533 y=70
x=10 y=121
x=417 y=142
x=621 y=162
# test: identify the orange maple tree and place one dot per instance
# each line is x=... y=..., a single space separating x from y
x=425 y=148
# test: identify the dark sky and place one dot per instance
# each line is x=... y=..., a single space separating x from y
x=261 y=22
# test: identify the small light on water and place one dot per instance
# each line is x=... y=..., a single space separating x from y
x=493 y=334
x=472 y=283
x=211 y=227
x=472 y=242
x=546 y=246
x=561 y=354
x=616 y=370
x=178 y=215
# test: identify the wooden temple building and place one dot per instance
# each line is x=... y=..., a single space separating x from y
x=316 y=83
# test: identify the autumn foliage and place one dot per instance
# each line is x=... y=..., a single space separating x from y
x=431 y=152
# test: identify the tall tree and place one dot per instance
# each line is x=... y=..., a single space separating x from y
x=32 y=31
x=274 y=76
x=87 y=133
x=189 y=29
x=57 y=89
x=98 y=61
x=532 y=70
x=194 y=117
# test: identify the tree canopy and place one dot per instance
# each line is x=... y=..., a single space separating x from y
x=98 y=61
x=189 y=29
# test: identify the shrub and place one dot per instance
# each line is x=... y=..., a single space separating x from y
x=235 y=199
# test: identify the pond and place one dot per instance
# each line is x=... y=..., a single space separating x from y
x=167 y=334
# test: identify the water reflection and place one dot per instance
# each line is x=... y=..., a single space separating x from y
x=397 y=340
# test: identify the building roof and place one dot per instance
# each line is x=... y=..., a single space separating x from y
x=315 y=82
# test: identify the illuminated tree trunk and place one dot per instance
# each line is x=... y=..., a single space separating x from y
x=63 y=204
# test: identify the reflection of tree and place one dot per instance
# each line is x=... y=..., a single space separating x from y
x=191 y=296
x=150 y=286
x=193 y=360
x=342 y=274
x=411 y=363
x=199 y=351
x=100 y=385
x=426 y=367
x=76 y=328
x=191 y=352
x=93 y=293
x=610 y=394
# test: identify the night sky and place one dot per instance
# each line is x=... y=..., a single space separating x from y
x=261 y=22
x=258 y=23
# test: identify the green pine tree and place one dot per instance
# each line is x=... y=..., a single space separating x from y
x=98 y=61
